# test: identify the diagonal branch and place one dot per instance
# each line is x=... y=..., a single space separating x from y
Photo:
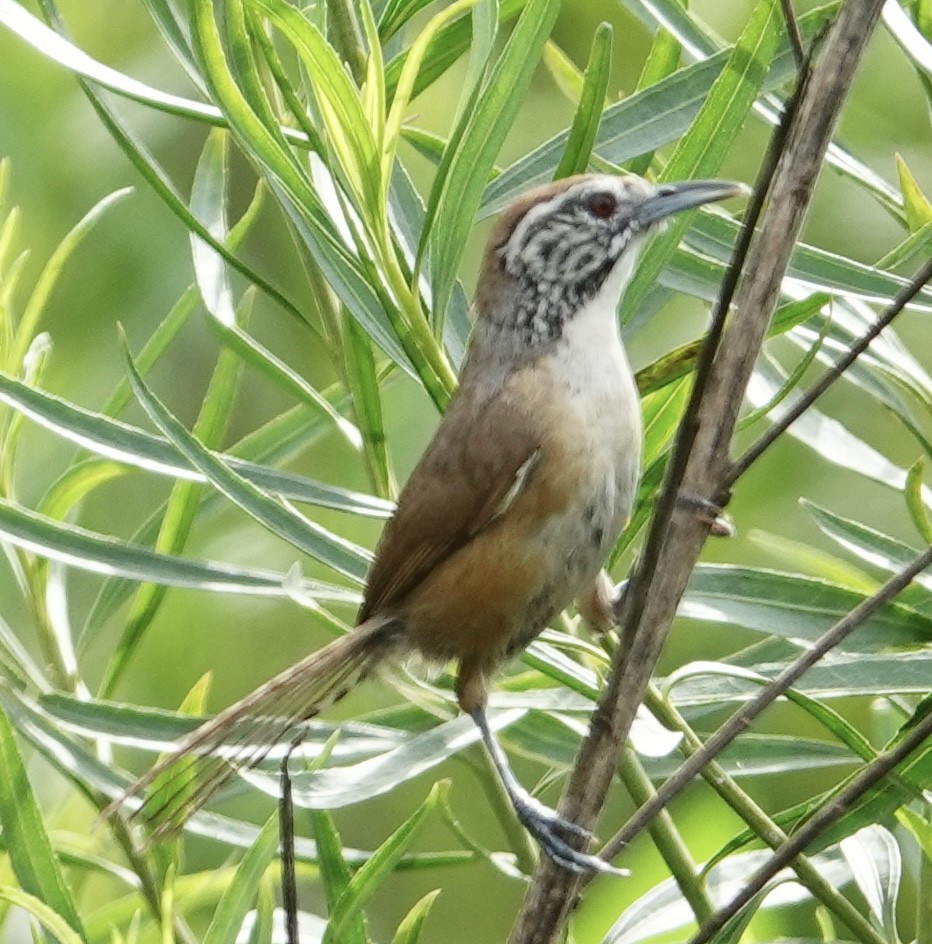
x=739 y=722
x=757 y=449
x=825 y=817
x=553 y=892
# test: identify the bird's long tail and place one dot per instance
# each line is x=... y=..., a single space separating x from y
x=242 y=735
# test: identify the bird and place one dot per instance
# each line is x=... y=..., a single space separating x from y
x=513 y=508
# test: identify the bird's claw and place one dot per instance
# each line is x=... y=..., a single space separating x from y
x=546 y=825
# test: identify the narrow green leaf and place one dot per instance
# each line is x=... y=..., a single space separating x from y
x=335 y=875
x=48 y=278
x=53 y=922
x=456 y=194
x=409 y=931
x=97 y=553
x=26 y=841
x=680 y=361
x=662 y=61
x=886 y=797
x=453 y=41
x=796 y=607
x=60 y=50
x=832 y=441
x=915 y=202
x=157 y=178
x=349 y=133
x=662 y=909
x=867 y=543
x=575 y=158
x=239 y=895
x=406 y=80
x=335 y=787
x=368 y=879
x=282 y=520
x=363 y=382
x=914 y=501
x=115 y=440
x=701 y=151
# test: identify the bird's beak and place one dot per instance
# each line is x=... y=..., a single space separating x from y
x=674 y=198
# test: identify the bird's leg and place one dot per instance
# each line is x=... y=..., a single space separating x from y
x=543 y=823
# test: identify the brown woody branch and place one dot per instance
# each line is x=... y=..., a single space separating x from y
x=655 y=591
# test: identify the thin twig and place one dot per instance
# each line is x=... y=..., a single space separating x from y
x=792 y=30
x=817 y=824
x=756 y=450
x=286 y=841
x=741 y=719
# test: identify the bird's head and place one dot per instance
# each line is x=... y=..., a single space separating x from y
x=556 y=247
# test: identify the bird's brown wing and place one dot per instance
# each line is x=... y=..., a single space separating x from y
x=480 y=459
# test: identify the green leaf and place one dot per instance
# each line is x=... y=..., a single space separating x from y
x=27 y=843
x=662 y=909
x=458 y=186
x=335 y=875
x=335 y=787
x=53 y=922
x=239 y=895
x=868 y=544
x=369 y=878
x=115 y=440
x=282 y=520
x=915 y=202
x=701 y=151
x=339 y=105
x=582 y=134
x=409 y=931
x=97 y=553
x=51 y=271
x=796 y=607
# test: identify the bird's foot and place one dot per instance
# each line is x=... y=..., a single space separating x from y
x=546 y=826
x=714 y=515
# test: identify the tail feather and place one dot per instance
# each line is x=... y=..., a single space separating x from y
x=241 y=736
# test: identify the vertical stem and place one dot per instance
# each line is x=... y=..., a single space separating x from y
x=666 y=837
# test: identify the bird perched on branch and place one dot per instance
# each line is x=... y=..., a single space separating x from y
x=514 y=506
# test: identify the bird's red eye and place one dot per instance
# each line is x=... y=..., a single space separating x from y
x=602 y=205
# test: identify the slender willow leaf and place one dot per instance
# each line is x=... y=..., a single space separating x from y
x=39 y=909
x=239 y=895
x=796 y=607
x=25 y=838
x=582 y=133
x=97 y=553
x=334 y=787
x=698 y=42
x=701 y=151
x=826 y=436
x=663 y=909
x=409 y=931
x=284 y=521
x=870 y=545
x=335 y=875
x=370 y=877
x=457 y=193
x=134 y=447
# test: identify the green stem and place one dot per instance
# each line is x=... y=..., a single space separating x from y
x=666 y=837
x=760 y=823
x=348 y=37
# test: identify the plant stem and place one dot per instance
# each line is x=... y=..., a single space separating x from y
x=768 y=831
x=666 y=837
